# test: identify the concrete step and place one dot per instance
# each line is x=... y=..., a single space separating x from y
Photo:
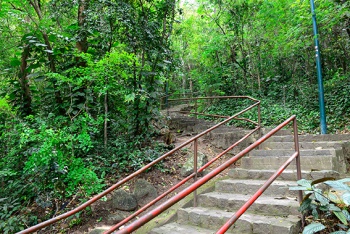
x=248 y=224
x=282 y=132
x=312 y=138
x=249 y=187
x=268 y=145
x=303 y=152
x=264 y=205
x=289 y=175
x=223 y=140
x=176 y=228
x=307 y=163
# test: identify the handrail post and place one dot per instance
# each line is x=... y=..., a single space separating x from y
x=296 y=147
x=259 y=123
x=195 y=107
x=195 y=163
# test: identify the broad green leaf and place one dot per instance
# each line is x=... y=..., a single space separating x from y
x=305 y=183
x=321 y=198
x=346 y=198
x=313 y=228
x=15 y=62
x=333 y=207
x=345 y=180
x=333 y=197
x=305 y=205
x=337 y=185
x=314 y=214
x=298 y=188
x=338 y=232
x=347 y=215
x=341 y=217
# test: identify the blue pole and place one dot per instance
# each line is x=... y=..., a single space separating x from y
x=319 y=72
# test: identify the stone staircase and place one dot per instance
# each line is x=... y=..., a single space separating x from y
x=276 y=211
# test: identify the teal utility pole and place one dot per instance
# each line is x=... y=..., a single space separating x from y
x=319 y=72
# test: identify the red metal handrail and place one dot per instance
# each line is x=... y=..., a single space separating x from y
x=296 y=155
x=158 y=210
x=133 y=175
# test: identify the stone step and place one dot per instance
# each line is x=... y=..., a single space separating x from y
x=289 y=175
x=176 y=228
x=248 y=224
x=264 y=205
x=307 y=163
x=312 y=138
x=249 y=187
x=282 y=132
x=268 y=145
x=225 y=140
x=303 y=153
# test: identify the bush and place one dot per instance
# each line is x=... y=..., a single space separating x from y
x=328 y=206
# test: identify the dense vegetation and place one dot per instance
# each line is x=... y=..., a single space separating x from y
x=80 y=83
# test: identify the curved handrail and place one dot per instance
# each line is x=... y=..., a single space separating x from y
x=133 y=175
x=164 y=206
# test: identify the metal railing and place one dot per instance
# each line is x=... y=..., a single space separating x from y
x=158 y=210
x=194 y=175
x=296 y=156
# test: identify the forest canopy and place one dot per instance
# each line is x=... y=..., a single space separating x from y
x=81 y=82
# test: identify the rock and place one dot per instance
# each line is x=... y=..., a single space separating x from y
x=122 y=200
x=144 y=192
x=187 y=168
x=113 y=219
x=99 y=230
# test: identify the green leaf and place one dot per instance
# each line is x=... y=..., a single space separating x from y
x=333 y=197
x=337 y=185
x=321 y=198
x=314 y=214
x=130 y=97
x=305 y=205
x=305 y=183
x=345 y=180
x=313 y=228
x=341 y=217
x=298 y=188
x=347 y=215
x=346 y=198
x=15 y=62
x=333 y=207
x=40 y=44
x=338 y=232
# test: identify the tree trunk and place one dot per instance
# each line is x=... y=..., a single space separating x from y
x=24 y=81
x=37 y=7
x=106 y=119
x=82 y=44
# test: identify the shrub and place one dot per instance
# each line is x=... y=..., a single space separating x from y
x=325 y=206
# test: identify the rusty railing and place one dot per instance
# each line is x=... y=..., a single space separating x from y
x=193 y=140
x=296 y=155
x=158 y=210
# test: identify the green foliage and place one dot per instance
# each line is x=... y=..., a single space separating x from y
x=313 y=228
x=265 y=49
x=325 y=204
x=11 y=220
x=46 y=164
